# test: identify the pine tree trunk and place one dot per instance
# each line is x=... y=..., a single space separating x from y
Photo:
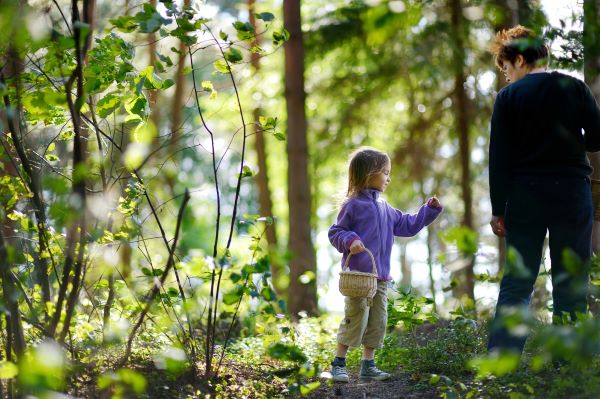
x=153 y=94
x=591 y=53
x=12 y=67
x=406 y=278
x=304 y=297
x=462 y=108
x=510 y=12
x=591 y=46
x=262 y=177
x=178 y=97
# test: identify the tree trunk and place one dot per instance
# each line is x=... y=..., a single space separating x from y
x=178 y=97
x=12 y=68
x=262 y=177
x=406 y=278
x=430 y=256
x=14 y=328
x=153 y=94
x=303 y=294
x=591 y=53
x=76 y=233
x=464 y=276
x=591 y=50
x=510 y=12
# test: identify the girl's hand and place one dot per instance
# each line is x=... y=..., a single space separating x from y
x=434 y=202
x=356 y=247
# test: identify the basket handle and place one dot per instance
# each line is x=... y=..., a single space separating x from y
x=345 y=267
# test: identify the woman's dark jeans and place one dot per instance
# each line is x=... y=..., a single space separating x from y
x=563 y=207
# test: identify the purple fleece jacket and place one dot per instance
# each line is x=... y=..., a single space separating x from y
x=372 y=220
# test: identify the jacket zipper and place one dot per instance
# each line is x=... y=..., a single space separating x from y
x=379 y=230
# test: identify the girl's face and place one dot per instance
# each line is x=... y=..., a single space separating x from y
x=380 y=180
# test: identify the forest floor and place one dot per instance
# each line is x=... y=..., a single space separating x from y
x=400 y=385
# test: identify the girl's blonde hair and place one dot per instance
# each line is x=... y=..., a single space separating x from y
x=365 y=162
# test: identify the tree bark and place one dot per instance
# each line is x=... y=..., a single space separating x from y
x=510 y=11
x=9 y=75
x=462 y=106
x=153 y=94
x=178 y=96
x=76 y=233
x=303 y=295
x=406 y=278
x=262 y=177
x=591 y=51
x=14 y=328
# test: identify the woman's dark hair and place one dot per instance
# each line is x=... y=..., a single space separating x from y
x=510 y=43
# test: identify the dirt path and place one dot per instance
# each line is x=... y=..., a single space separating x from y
x=399 y=386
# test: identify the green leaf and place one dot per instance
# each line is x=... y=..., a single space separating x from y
x=495 y=363
x=66 y=135
x=51 y=157
x=137 y=106
x=107 y=105
x=267 y=293
x=247 y=172
x=464 y=238
x=8 y=370
x=287 y=352
x=234 y=55
x=166 y=59
x=221 y=66
x=305 y=389
x=233 y=296
x=245 y=31
x=167 y=83
x=573 y=263
x=124 y=23
x=134 y=379
x=279 y=136
x=265 y=16
x=235 y=277
x=208 y=86
x=223 y=35
x=150 y=20
x=281 y=36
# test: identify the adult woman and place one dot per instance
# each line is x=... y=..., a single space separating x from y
x=539 y=179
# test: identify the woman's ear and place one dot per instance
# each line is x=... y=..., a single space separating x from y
x=519 y=61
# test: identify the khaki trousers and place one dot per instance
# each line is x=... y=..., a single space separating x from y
x=364 y=324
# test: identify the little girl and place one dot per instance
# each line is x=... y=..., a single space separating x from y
x=366 y=221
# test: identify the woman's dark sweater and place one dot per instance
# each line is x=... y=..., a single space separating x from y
x=536 y=129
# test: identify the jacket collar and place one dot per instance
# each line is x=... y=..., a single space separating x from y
x=370 y=193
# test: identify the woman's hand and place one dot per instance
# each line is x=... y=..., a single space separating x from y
x=434 y=202
x=356 y=247
x=497 y=224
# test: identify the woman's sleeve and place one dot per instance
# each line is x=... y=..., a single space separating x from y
x=408 y=225
x=591 y=121
x=340 y=233
x=499 y=156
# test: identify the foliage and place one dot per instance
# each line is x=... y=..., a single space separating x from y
x=93 y=207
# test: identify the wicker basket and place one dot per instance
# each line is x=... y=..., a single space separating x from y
x=358 y=284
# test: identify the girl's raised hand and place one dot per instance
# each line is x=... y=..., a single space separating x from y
x=434 y=202
x=356 y=247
